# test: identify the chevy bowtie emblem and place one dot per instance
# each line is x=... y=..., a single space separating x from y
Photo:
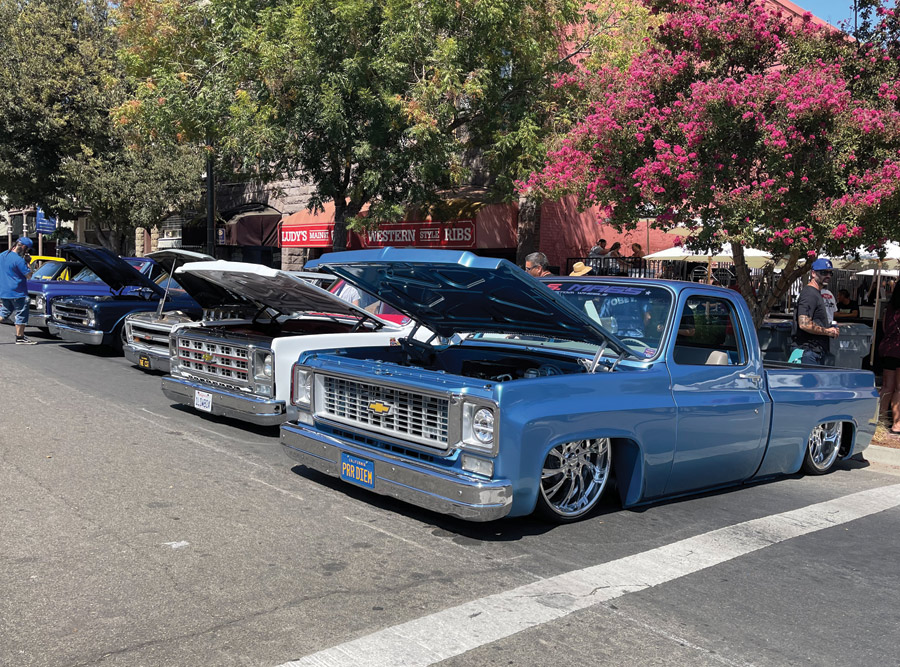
x=380 y=408
x=207 y=357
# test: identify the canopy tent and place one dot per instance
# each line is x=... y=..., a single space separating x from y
x=890 y=273
x=756 y=259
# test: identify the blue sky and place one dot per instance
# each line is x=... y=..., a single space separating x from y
x=833 y=11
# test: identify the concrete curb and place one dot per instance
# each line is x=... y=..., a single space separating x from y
x=883 y=455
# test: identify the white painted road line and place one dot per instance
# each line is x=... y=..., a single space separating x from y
x=454 y=631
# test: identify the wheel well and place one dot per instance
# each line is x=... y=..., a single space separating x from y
x=628 y=470
x=848 y=435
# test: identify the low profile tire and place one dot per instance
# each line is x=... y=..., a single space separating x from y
x=119 y=339
x=573 y=478
x=823 y=448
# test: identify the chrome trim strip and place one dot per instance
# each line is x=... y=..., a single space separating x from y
x=73 y=335
x=246 y=407
x=448 y=492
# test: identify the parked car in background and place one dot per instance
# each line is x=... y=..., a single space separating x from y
x=99 y=319
x=48 y=267
x=240 y=367
x=147 y=333
x=526 y=400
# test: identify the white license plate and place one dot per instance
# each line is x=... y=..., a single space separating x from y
x=203 y=400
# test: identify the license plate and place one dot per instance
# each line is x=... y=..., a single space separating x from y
x=358 y=471
x=203 y=400
x=144 y=362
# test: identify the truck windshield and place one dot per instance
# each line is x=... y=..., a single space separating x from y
x=636 y=314
x=49 y=270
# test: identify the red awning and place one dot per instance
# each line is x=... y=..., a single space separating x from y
x=492 y=227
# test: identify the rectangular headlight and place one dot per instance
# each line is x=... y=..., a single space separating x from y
x=301 y=387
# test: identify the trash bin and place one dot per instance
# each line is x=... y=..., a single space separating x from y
x=852 y=346
x=775 y=339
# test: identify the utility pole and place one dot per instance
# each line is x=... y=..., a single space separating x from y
x=210 y=198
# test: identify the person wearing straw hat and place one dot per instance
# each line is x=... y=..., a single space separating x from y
x=582 y=269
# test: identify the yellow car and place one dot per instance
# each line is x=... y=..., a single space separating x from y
x=46 y=267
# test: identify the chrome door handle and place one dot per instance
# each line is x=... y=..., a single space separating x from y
x=753 y=377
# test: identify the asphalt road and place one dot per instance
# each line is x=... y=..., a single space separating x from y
x=136 y=533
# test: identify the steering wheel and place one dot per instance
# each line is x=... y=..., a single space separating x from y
x=634 y=342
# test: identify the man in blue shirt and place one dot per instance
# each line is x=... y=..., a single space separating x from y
x=14 y=274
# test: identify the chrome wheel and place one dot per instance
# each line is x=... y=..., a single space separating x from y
x=573 y=478
x=823 y=448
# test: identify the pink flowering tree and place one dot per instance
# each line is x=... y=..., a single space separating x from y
x=747 y=127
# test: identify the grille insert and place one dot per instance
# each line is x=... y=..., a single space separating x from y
x=408 y=415
x=216 y=359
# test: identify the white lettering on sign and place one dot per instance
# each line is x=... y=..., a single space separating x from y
x=392 y=236
x=456 y=234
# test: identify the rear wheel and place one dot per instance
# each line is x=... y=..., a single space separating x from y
x=573 y=478
x=823 y=448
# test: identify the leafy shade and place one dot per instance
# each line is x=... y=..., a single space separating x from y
x=55 y=64
x=746 y=127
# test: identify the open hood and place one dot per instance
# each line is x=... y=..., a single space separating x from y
x=283 y=291
x=458 y=292
x=207 y=294
x=176 y=257
x=112 y=270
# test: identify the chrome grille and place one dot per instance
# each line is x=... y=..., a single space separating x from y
x=418 y=417
x=76 y=316
x=216 y=359
x=149 y=335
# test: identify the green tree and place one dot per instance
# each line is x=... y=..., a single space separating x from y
x=59 y=146
x=54 y=65
x=375 y=103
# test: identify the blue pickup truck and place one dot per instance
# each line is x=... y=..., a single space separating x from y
x=531 y=395
x=44 y=285
x=99 y=319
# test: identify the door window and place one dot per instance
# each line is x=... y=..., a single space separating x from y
x=709 y=334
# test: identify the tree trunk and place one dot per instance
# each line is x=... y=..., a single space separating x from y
x=772 y=288
x=528 y=232
x=343 y=211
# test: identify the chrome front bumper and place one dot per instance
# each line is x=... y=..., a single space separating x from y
x=246 y=407
x=73 y=335
x=37 y=318
x=415 y=482
x=156 y=361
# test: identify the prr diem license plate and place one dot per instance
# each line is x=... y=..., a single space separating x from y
x=358 y=471
x=203 y=400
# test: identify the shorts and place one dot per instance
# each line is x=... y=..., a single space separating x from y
x=19 y=306
x=890 y=363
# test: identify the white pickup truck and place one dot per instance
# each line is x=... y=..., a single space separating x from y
x=241 y=368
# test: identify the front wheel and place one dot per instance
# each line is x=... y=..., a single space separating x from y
x=573 y=478
x=823 y=448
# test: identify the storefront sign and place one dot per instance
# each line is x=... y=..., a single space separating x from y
x=455 y=234
x=307 y=236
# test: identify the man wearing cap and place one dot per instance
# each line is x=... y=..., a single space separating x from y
x=813 y=325
x=14 y=274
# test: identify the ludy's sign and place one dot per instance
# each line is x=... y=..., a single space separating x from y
x=307 y=236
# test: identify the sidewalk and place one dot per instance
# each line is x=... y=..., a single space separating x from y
x=882 y=455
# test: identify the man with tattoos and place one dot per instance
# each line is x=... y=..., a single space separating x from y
x=813 y=326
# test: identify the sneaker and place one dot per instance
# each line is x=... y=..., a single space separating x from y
x=25 y=341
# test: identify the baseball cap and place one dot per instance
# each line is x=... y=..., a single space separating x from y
x=25 y=241
x=822 y=264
